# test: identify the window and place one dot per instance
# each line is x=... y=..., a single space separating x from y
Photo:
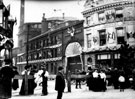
x=119 y=14
x=89 y=39
x=120 y=35
x=88 y=20
x=39 y=26
x=58 y=39
x=102 y=36
x=21 y=43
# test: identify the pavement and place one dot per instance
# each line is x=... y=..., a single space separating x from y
x=82 y=93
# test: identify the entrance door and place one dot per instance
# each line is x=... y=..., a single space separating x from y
x=74 y=63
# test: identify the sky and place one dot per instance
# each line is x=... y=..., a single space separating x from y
x=34 y=10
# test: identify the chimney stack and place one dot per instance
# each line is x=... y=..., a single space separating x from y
x=22 y=9
x=44 y=24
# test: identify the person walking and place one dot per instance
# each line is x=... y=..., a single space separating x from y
x=78 y=80
x=26 y=71
x=15 y=83
x=103 y=80
x=44 y=76
x=6 y=75
x=31 y=82
x=60 y=83
x=121 y=80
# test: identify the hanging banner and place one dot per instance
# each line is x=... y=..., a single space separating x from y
x=1 y=17
x=110 y=35
x=130 y=33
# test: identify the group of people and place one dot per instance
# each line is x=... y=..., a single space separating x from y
x=96 y=80
x=7 y=83
x=99 y=79
x=41 y=78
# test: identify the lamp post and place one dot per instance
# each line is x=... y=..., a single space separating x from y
x=27 y=46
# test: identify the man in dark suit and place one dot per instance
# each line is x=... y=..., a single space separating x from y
x=60 y=83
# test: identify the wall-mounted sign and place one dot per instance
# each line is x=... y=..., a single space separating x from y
x=1 y=17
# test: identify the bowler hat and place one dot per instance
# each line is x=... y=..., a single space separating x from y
x=60 y=68
x=27 y=66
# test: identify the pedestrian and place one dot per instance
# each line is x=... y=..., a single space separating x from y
x=133 y=74
x=102 y=80
x=44 y=76
x=115 y=76
x=31 y=82
x=95 y=80
x=6 y=75
x=78 y=80
x=15 y=83
x=121 y=80
x=89 y=78
x=60 y=83
x=27 y=69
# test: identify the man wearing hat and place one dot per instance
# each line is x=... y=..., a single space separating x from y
x=6 y=75
x=60 y=82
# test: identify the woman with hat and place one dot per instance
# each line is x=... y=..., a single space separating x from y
x=26 y=71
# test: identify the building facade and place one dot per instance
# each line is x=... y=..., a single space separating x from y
x=49 y=47
x=108 y=23
x=29 y=30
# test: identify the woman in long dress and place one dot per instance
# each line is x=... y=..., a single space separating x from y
x=27 y=70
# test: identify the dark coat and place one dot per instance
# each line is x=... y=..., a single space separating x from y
x=15 y=83
x=60 y=82
x=6 y=82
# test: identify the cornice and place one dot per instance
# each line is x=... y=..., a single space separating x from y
x=107 y=6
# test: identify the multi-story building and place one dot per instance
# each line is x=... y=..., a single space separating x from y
x=29 y=30
x=108 y=23
x=51 y=46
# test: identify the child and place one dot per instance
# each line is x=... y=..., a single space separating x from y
x=121 y=82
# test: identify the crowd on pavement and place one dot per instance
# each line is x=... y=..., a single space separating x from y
x=96 y=80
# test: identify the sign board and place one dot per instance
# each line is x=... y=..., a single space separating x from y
x=1 y=17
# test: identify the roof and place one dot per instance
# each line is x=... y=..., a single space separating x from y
x=61 y=18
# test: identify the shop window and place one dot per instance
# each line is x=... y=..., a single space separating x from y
x=120 y=35
x=89 y=39
x=102 y=36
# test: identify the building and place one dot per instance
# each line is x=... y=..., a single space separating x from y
x=51 y=45
x=29 y=30
x=108 y=23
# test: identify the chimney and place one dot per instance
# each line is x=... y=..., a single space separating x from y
x=44 y=24
x=22 y=12
x=63 y=15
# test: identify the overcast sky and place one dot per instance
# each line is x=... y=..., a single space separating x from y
x=34 y=10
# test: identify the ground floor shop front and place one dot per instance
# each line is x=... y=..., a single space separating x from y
x=102 y=59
